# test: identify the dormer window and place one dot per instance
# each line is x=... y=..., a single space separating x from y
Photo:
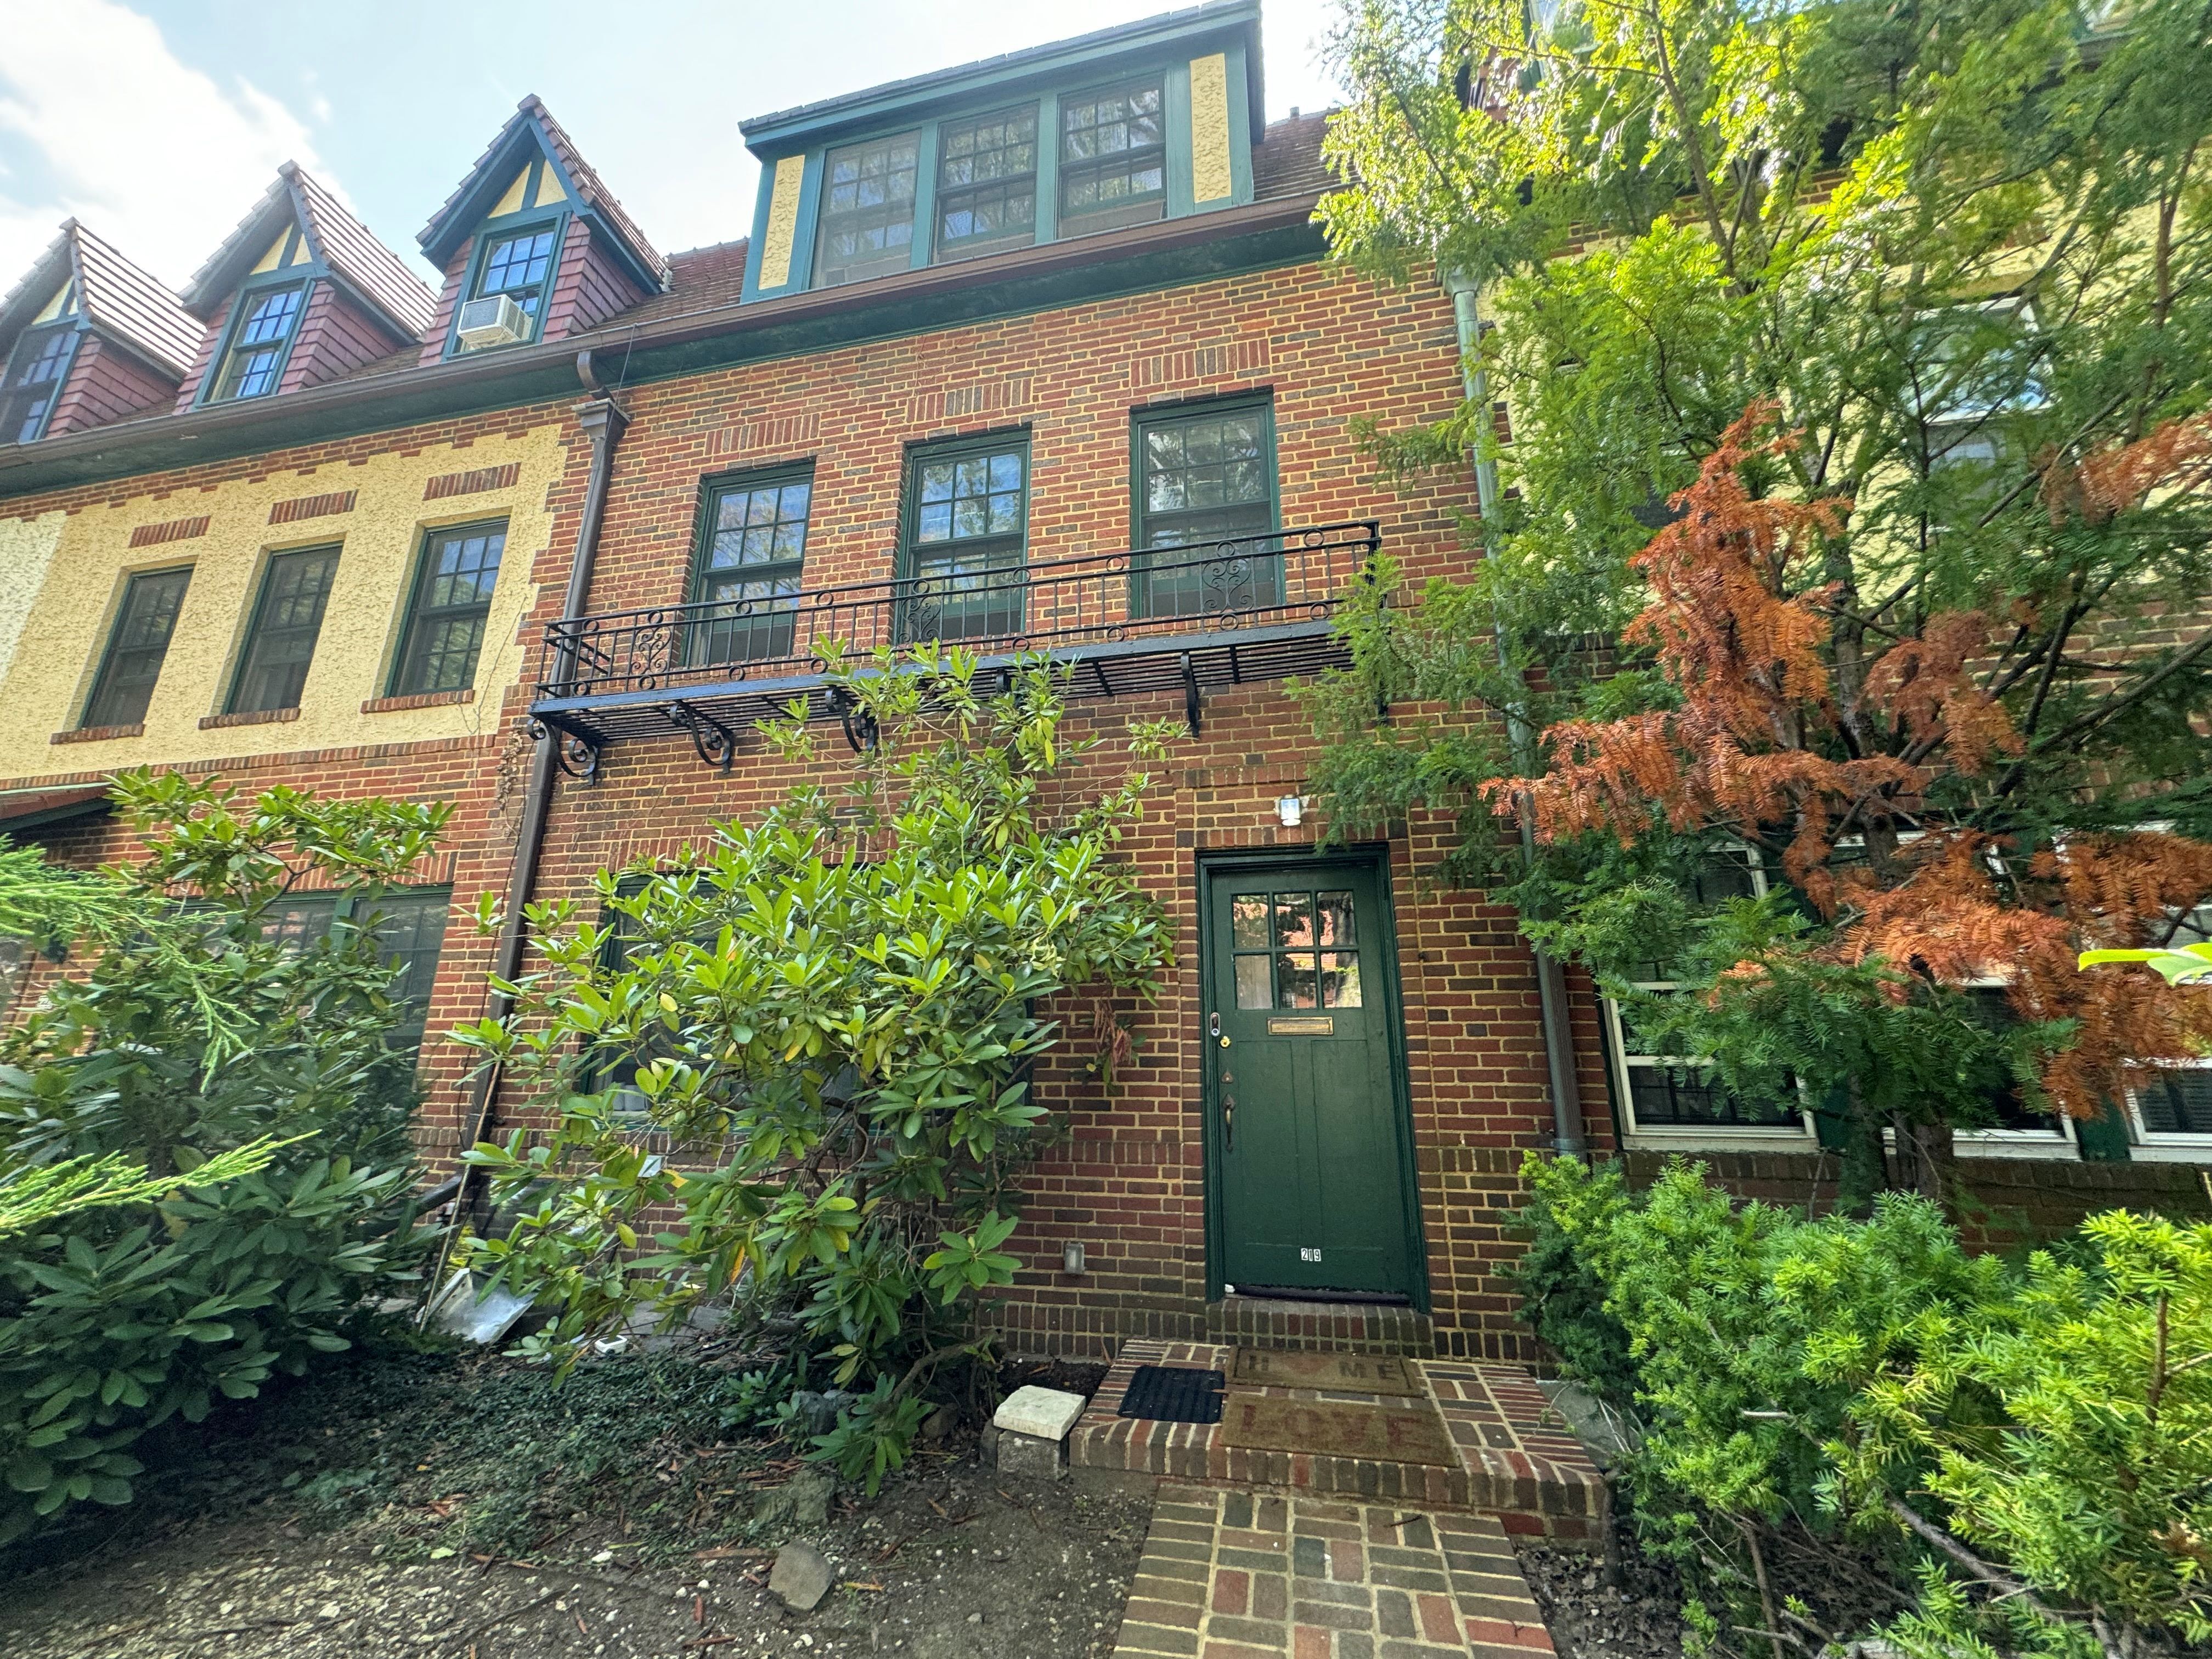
x=867 y=211
x=520 y=265
x=259 y=344
x=1113 y=158
x=987 y=183
x=33 y=383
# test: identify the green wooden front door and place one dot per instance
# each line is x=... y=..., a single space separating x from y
x=1312 y=1176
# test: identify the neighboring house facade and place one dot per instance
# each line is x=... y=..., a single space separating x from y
x=1044 y=351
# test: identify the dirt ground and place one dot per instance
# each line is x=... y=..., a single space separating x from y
x=348 y=1520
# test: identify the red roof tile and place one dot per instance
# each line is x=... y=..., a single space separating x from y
x=120 y=299
x=347 y=247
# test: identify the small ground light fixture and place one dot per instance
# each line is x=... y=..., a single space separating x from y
x=1070 y=1255
x=1291 y=809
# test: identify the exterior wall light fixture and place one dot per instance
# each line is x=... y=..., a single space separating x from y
x=1070 y=1255
x=1291 y=809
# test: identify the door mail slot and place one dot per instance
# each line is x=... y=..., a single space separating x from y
x=1325 y=1025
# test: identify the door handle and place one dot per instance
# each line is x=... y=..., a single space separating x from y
x=1228 y=1123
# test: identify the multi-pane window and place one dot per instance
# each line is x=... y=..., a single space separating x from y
x=453 y=597
x=519 y=265
x=1978 y=365
x=281 y=642
x=409 y=925
x=2174 y=1100
x=968 y=512
x=135 y=649
x=1295 y=950
x=258 y=347
x=1113 y=158
x=1662 y=1091
x=987 y=183
x=752 y=548
x=32 y=380
x=1205 y=480
x=1999 y=1110
x=867 y=211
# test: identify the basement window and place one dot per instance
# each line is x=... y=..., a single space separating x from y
x=408 y=922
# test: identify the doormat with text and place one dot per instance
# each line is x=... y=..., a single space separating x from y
x=1173 y=1394
x=1347 y=1373
x=1384 y=1433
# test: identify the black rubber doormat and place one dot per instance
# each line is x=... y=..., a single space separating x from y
x=1173 y=1393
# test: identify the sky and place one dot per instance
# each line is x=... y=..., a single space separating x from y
x=159 y=124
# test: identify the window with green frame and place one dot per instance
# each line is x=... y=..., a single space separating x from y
x=287 y=619
x=986 y=183
x=262 y=323
x=1205 y=483
x=751 y=553
x=866 y=227
x=1113 y=157
x=964 y=548
x=410 y=923
x=137 y=647
x=446 y=612
x=30 y=382
x=518 y=264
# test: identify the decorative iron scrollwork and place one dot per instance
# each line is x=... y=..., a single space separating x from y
x=715 y=742
x=579 y=758
x=859 y=725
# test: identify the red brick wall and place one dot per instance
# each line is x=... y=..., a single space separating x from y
x=106 y=385
x=191 y=387
x=449 y=295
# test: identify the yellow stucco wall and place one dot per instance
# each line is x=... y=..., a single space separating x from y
x=783 y=221
x=90 y=557
x=26 y=552
x=1210 y=178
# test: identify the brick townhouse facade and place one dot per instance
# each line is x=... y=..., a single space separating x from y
x=545 y=543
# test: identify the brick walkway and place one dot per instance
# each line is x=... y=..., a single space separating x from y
x=1231 y=1574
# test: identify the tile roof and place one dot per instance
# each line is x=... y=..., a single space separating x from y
x=345 y=245
x=121 y=300
x=1286 y=161
x=443 y=233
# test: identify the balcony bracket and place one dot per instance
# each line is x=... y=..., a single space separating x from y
x=716 y=744
x=1189 y=694
x=859 y=725
x=577 y=756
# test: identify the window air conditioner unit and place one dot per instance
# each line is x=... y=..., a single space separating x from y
x=497 y=321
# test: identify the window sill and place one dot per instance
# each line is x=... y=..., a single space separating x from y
x=253 y=717
x=419 y=700
x=99 y=733
x=1779 y=1139
x=2154 y=1148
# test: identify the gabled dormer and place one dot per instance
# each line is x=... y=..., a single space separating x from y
x=533 y=245
x=1131 y=126
x=300 y=293
x=86 y=338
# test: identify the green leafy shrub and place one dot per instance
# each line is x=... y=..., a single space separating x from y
x=2042 y=1429
x=189 y=1049
x=832 y=1014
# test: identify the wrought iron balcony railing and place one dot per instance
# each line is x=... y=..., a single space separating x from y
x=1252 y=607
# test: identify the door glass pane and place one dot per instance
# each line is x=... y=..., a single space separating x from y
x=1340 y=979
x=1335 y=910
x=1294 y=980
x=1293 y=920
x=1253 y=990
x=1248 y=921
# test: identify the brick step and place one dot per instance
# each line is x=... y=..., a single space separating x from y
x=1256 y=1322
x=1517 y=1461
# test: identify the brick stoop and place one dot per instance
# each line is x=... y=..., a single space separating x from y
x=1230 y=1575
x=1516 y=1462
x=1256 y=1322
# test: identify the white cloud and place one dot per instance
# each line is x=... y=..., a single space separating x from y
x=105 y=123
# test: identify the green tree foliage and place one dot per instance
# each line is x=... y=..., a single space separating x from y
x=204 y=1144
x=1956 y=255
x=833 y=1014
x=2040 y=1432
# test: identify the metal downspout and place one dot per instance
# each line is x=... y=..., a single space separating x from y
x=602 y=421
x=1567 y=1138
